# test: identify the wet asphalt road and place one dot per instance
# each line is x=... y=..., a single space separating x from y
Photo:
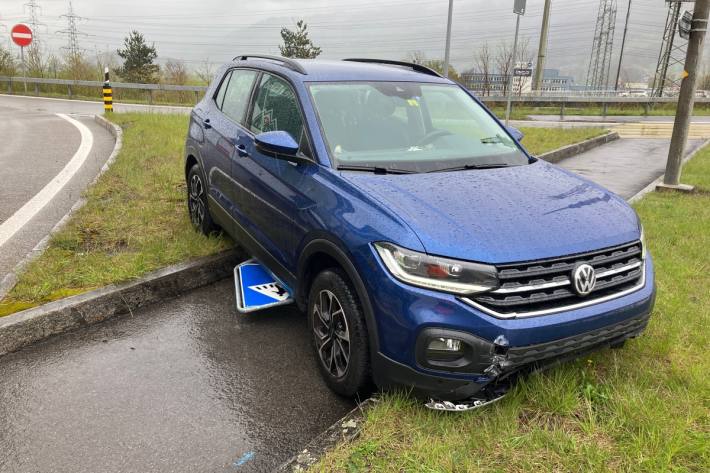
x=186 y=386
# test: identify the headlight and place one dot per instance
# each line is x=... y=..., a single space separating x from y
x=434 y=272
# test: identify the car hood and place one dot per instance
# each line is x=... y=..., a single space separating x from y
x=503 y=215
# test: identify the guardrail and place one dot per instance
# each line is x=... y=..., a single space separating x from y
x=13 y=84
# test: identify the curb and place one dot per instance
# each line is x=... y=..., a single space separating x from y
x=557 y=155
x=9 y=281
x=29 y=326
x=344 y=430
x=652 y=186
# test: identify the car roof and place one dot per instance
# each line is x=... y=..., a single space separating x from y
x=321 y=70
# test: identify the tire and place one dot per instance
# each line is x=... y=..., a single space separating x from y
x=335 y=313
x=617 y=345
x=197 y=202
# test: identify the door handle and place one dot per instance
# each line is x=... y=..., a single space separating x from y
x=242 y=151
x=206 y=123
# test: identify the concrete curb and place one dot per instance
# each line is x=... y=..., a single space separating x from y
x=31 y=325
x=344 y=430
x=652 y=186
x=9 y=281
x=557 y=155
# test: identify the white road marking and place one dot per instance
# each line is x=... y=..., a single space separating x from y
x=22 y=35
x=20 y=218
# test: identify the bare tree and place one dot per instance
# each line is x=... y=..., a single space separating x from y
x=416 y=57
x=205 y=71
x=503 y=58
x=483 y=63
x=174 y=72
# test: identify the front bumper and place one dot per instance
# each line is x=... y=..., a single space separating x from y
x=404 y=313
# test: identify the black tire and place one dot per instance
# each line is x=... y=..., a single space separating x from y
x=354 y=377
x=617 y=345
x=197 y=202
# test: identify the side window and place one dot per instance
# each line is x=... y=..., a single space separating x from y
x=222 y=89
x=276 y=108
x=236 y=98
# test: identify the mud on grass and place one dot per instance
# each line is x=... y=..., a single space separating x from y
x=641 y=408
x=135 y=220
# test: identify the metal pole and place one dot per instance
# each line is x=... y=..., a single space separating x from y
x=24 y=68
x=448 y=39
x=687 y=96
x=623 y=43
x=510 y=69
x=542 y=48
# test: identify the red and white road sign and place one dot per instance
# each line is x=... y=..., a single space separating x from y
x=21 y=35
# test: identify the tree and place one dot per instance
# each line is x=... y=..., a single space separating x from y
x=138 y=60
x=174 y=72
x=483 y=61
x=503 y=58
x=8 y=65
x=205 y=71
x=418 y=57
x=297 y=44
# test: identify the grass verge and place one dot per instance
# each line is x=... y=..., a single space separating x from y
x=542 y=140
x=135 y=220
x=642 y=408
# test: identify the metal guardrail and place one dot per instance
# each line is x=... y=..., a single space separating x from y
x=562 y=99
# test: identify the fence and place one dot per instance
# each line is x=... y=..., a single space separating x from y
x=191 y=94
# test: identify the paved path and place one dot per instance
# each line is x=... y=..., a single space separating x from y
x=45 y=164
x=186 y=386
x=624 y=166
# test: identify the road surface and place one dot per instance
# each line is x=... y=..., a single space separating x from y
x=185 y=386
x=46 y=161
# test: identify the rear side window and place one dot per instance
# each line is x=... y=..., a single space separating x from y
x=222 y=89
x=236 y=96
x=276 y=108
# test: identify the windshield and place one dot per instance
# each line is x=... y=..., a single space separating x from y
x=409 y=126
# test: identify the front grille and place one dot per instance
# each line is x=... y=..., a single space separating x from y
x=544 y=286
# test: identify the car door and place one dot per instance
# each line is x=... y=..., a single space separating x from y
x=275 y=197
x=216 y=165
x=227 y=128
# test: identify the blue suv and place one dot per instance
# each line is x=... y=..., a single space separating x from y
x=426 y=246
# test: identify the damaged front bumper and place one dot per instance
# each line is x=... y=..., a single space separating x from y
x=456 y=392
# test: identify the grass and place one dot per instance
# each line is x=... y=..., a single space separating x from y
x=135 y=220
x=643 y=408
x=542 y=140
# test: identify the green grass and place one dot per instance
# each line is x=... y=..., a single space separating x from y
x=542 y=140
x=643 y=408
x=135 y=220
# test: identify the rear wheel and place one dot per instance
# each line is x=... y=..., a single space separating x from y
x=197 y=202
x=339 y=334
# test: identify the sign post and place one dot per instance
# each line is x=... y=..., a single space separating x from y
x=21 y=35
x=519 y=10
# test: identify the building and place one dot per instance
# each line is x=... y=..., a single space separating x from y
x=496 y=84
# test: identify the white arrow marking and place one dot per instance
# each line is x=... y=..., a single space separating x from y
x=20 y=218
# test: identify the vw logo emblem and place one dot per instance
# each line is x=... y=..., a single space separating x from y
x=584 y=278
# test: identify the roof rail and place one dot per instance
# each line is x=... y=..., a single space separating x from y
x=288 y=63
x=415 y=67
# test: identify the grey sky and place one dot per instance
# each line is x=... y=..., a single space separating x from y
x=220 y=29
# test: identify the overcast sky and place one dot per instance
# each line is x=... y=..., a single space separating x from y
x=220 y=29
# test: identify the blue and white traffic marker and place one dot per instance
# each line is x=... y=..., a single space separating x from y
x=256 y=288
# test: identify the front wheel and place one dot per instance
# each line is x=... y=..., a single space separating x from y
x=339 y=334
x=197 y=202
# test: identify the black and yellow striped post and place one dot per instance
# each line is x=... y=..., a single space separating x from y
x=108 y=93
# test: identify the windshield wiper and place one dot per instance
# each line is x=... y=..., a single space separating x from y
x=376 y=169
x=473 y=166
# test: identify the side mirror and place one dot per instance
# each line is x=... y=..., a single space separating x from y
x=517 y=134
x=276 y=142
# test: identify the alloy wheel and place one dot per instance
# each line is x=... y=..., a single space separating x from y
x=332 y=336
x=196 y=201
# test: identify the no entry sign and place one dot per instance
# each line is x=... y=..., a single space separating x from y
x=21 y=35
